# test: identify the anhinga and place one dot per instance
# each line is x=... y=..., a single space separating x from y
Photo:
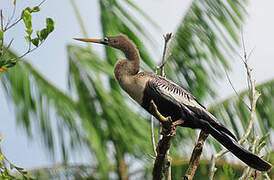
x=171 y=99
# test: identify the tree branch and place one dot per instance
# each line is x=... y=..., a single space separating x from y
x=253 y=100
x=167 y=37
x=162 y=163
x=167 y=159
x=247 y=171
x=195 y=157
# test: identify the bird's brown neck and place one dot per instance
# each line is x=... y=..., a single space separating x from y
x=132 y=54
x=126 y=69
x=130 y=65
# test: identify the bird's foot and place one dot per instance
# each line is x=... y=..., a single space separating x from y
x=169 y=128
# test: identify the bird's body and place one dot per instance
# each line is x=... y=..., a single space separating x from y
x=171 y=100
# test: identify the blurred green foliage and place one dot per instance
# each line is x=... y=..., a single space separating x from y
x=98 y=116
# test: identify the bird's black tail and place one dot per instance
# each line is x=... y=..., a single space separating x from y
x=227 y=141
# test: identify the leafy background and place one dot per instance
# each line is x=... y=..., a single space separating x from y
x=85 y=80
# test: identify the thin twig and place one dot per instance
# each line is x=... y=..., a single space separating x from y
x=2 y=19
x=266 y=176
x=195 y=157
x=2 y=28
x=152 y=135
x=12 y=16
x=6 y=49
x=167 y=37
x=19 y=19
x=27 y=52
x=243 y=43
x=245 y=172
x=41 y=3
x=167 y=159
x=254 y=97
x=231 y=84
x=7 y=27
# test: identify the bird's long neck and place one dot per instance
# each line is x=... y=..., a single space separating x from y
x=129 y=66
x=132 y=57
x=126 y=69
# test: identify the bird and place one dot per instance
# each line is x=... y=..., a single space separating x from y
x=171 y=99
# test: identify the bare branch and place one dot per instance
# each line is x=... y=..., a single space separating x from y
x=27 y=52
x=247 y=170
x=2 y=28
x=253 y=100
x=195 y=157
x=231 y=84
x=152 y=135
x=167 y=159
x=167 y=37
x=5 y=49
x=163 y=162
x=163 y=144
x=19 y=19
x=12 y=16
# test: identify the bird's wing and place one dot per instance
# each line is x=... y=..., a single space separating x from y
x=171 y=99
x=173 y=96
x=175 y=92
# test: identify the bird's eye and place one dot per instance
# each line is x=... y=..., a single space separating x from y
x=106 y=39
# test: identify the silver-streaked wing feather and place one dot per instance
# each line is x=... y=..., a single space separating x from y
x=181 y=96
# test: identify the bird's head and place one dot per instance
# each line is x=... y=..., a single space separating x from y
x=119 y=42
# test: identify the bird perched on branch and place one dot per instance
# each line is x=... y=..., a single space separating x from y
x=171 y=100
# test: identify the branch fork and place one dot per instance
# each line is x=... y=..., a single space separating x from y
x=162 y=161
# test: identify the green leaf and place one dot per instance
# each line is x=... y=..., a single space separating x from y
x=2 y=157
x=35 y=9
x=29 y=31
x=18 y=168
x=35 y=41
x=28 y=39
x=50 y=24
x=24 y=172
x=26 y=9
x=38 y=33
x=1 y=34
x=11 y=166
x=26 y=16
x=44 y=34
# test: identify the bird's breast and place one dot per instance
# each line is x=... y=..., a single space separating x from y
x=134 y=86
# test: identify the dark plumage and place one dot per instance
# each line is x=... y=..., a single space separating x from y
x=171 y=100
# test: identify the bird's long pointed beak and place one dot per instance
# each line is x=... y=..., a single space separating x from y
x=89 y=40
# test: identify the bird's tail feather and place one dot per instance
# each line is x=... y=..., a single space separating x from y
x=233 y=146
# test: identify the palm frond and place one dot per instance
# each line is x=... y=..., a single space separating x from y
x=234 y=112
x=115 y=20
x=36 y=99
x=204 y=42
x=104 y=111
